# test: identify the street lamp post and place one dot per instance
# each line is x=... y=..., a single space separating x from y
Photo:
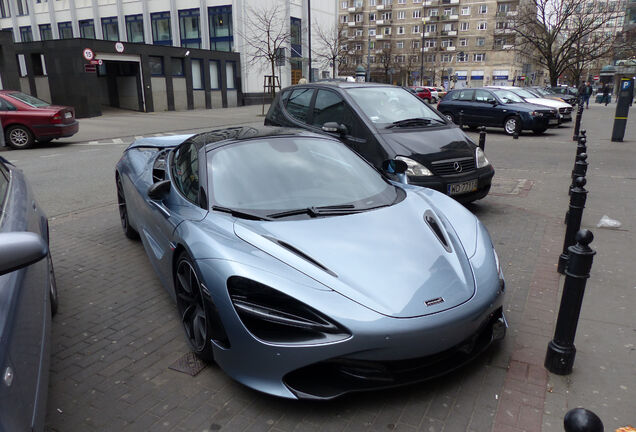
x=422 y=58
x=368 y=77
x=309 y=38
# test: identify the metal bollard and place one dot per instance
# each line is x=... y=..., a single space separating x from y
x=515 y=135
x=582 y=420
x=580 y=169
x=461 y=119
x=574 y=216
x=577 y=122
x=482 y=137
x=559 y=357
x=581 y=147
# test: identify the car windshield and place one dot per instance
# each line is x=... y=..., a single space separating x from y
x=506 y=96
x=278 y=174
x=28 y=99
x=542 y=92
x=524 y=93
x=387 y=105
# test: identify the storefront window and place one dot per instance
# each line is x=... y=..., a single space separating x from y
x=177 y=66
x=197 y=74
x=156 y=65
x=229 y=74
x=215 y=84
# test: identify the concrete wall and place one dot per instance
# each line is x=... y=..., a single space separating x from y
x=180 y=94
x=24 y=85
x=216 y=99
x=42 y=88
x=101 y=91
x=159 y=95
x=127 y=91
x=199 y=99
x=231 y=98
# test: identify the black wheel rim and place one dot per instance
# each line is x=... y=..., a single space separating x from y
x=121 y=200
x=52 y=283
x=190 y=305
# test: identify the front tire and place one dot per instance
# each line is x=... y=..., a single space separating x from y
x=449 y=117
x=192 y=310
x=129 y=231
x=512 y=124
x=19 y=137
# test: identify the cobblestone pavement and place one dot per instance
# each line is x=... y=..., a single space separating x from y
x=117 y=331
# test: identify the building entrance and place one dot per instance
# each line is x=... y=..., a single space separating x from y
x=120 y=83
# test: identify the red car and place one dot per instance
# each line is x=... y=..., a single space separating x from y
x=26 y=119
x=423 y=93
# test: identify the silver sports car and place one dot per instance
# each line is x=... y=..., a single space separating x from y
x=301 y=270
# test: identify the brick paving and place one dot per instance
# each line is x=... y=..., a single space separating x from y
x=117 y=331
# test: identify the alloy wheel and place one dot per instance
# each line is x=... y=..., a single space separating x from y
x=121 y=200
x=19 y=137
x=511 y=126
x=190 y=305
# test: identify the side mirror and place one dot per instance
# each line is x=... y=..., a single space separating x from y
x=20 y=249
x=493 y=102
x=394 y=166
x=335 y=127
x=158 y=190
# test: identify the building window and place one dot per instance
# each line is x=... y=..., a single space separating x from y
x=87 y=29
x=65 y=29
x=463 y=42
x=45 y=32
x=372 y=32
x=197 y=74
x=221 y=31
x=416 y=44
x=358 y=18
x=371 y=45
x=430 y=58
x=417 y=13
x=447 y=43
x=359 y=32
x=447 y=27
x=4 y=9
x=23 y=8
x=433 y=12
x=399 y=44
x=417 y=1
x=447 y=58
x=215 y=84
x=110 y=29
x=483 y=25
x=161 y=28
x=400 y=30
x=431 y=28
x=343 y=19
x=429 y=43
x=177 y=66
x=503 y=7
x=372 y=16
x=156 y=65
x=401 y=15
x=416 y=29
x=387 y=30
x=229 y=74
x=135 y=28
x=462 y=58
x=480 y=42
x=358 y=47
x=189 y=28
x=466 y=10
x=344 y=4
x=387 y=15
x=295 y=40
x=399 y=59
x=483 y=9
x=464 y=25
x=479 y=57
x=26 y=35
x=401 y=1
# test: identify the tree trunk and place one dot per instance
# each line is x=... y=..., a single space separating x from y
x=273 y=80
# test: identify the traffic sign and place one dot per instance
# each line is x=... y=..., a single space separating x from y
x=596 y=77
x=88 y=54
x=97 y=62
x=90 y=68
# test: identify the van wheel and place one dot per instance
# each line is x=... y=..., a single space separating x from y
x=19 y=137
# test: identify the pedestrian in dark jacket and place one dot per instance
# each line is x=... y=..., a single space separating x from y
x=607 y=91
x=585 y=91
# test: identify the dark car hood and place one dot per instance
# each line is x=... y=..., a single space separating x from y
x=431 y=143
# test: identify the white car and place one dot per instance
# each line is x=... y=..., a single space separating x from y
x=434 y=93
x=565 y=109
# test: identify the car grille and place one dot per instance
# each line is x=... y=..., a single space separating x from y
x=565 y=110
x=448 y=167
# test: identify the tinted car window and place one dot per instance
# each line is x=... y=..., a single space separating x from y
x=6 y=106
x=186 y=170
x=483 y=96
x=298 y=104
x=465 y=95
x=331 y=107
x=28 y=99
x=390 y=104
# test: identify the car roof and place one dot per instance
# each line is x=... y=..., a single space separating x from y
x=341 y=84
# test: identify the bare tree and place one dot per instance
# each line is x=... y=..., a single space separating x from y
x=332 y=45
x=268 y=36
x=386 y=60
x=413 y=63
x=563 y=34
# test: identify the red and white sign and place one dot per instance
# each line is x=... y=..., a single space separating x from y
x=119 y=47
x=596 y=77
x=97 y=62
x=90 y=68
x=88 y=54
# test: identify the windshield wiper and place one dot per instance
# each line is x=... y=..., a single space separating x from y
x=240 y=213
x=341 y=209
x=417 y=121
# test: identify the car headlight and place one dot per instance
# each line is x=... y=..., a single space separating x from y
x=536 y=114
x=480 y=158
x=415 y=169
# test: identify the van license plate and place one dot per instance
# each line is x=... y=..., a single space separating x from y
x=464 y=187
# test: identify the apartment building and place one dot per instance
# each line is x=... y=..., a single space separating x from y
x=173 y=54
x=459 y=42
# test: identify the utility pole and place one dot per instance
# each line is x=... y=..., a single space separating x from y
x=309 y=37
x=368 y=77
x=422 y=58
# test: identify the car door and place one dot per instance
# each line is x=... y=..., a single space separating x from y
x=182 y=202
x=464 y=107
x=330 y=106
x=483 y=108
x=6 y=112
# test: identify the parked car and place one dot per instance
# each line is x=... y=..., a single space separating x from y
x=28 y=298
x=497 y=108
x=529 y=95
x=286 y=254
x=441 y=92
x=424 y=93
x=434 y=93
x=564 y=95
x=26 y=119
x=383 y=122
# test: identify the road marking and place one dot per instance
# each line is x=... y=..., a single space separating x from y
x=88 y=150
x=51 y=155
x=117 y=141
x=93 y=142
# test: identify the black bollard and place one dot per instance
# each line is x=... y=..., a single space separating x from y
x=515 y=135
x=482 y=137
x=461 y=119
x=559 y=357
x=582 y=420
x=574 y=216
x=581 y=147
x=580 y=168
x=577 y=122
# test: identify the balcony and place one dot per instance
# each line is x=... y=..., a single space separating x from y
x=354 y=9
x=449 y=32
x=430 y=3
x=382 y=22
x=430 y=34
x=450 y=48
x=504 y=31
x=383 y=7
x=351 y=23
x=432 y=18
x=508 y=47
x=450 y=17
x=379 y=36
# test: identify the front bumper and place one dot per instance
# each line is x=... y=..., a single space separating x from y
x=441 y=184
x=529 y=122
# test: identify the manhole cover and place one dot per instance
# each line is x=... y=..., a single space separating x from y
x=189 y=364
x=508 y=187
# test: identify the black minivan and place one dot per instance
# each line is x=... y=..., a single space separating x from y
x=381 y=122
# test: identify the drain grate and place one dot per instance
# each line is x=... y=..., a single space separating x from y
x=189 y=364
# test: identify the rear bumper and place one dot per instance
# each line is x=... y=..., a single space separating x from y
x=484 y=179
x=55 y=130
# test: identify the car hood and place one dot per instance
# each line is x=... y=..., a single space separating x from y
x=159 y=142
x=548 y=102
x=389 y=259
x=436 y=143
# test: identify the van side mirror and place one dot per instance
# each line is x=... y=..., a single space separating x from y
x=335 y=127
x=20 y=249
x=394 y=166
x=158 y=190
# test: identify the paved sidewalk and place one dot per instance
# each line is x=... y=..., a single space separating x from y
x=117 y=331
